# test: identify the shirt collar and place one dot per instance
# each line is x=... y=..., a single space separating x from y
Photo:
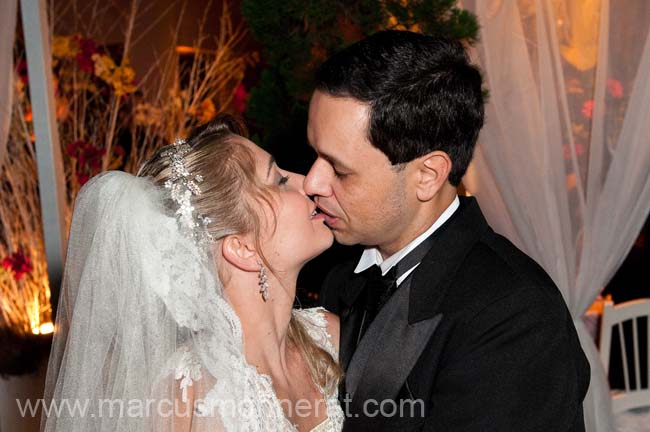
x=371 y=255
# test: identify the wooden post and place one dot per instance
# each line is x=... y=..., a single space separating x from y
x=8 y=22
x=48 y=151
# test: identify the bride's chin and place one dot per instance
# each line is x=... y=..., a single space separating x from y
x=322 y=242
x=328 y=239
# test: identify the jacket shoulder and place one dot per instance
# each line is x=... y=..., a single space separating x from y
x=335 y=281
x=496 y=269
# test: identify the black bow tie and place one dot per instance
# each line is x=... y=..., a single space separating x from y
x=378 y=288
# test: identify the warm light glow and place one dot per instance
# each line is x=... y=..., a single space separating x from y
x=25 y=299
x=34 y=313
x=181 y=49
x=184 y=49
x=46 y=328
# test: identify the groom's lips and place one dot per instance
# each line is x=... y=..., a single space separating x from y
x=330 y=220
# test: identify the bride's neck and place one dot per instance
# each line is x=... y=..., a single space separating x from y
x=265 y=324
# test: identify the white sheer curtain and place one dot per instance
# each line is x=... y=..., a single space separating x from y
x=563 y=163
x=7 y=27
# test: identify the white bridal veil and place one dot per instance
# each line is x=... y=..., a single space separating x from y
x=143 y=329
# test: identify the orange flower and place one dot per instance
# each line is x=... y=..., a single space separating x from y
x=615 y=88
x=205 y=111
x=62 y=110
x=580 y=150
x=64 y=46
x=588 y=109
x=574 y=87
x=571 y=181
x=4 y=276
x=104 y=66
x=123 y=80
x=146 y=114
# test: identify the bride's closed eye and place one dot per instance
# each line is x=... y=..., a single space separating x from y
x=283 y=180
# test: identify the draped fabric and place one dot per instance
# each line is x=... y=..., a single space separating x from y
x=7 y=27
x=563 y=163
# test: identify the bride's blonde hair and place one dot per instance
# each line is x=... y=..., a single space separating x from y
x=231 y=194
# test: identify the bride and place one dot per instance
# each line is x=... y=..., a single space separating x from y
x=176 y=306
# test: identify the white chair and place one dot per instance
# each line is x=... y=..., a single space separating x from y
x=636 y=396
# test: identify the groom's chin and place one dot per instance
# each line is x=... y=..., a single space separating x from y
x=344 y=238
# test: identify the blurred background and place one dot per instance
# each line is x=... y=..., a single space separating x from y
x=562 y=167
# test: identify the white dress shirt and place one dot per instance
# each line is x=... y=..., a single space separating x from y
x=371 y=256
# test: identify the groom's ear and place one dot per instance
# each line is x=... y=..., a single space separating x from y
x=432 y=173
x=239 y=250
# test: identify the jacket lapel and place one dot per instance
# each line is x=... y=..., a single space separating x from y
x=351 y=314
x=406 y=324
x=381 y=380
x=454 y=240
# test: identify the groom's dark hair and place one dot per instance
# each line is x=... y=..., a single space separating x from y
x=423 y=93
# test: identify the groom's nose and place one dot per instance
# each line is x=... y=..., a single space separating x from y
x=317 y=181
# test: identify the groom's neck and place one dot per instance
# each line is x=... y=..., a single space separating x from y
x=422 y=219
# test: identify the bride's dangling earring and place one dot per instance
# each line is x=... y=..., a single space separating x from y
x=264 y=286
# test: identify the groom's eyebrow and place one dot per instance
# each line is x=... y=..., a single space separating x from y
x=271 y=162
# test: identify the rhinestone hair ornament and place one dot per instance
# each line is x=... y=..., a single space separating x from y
x=183 y=186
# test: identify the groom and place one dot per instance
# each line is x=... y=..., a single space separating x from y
x=445 y=325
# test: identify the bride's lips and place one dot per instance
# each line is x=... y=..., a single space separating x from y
x=315 y=215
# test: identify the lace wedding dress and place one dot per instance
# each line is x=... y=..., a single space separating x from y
x=143 y=318
x=271 y=416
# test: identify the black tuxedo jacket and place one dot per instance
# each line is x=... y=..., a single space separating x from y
x=484 y=342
